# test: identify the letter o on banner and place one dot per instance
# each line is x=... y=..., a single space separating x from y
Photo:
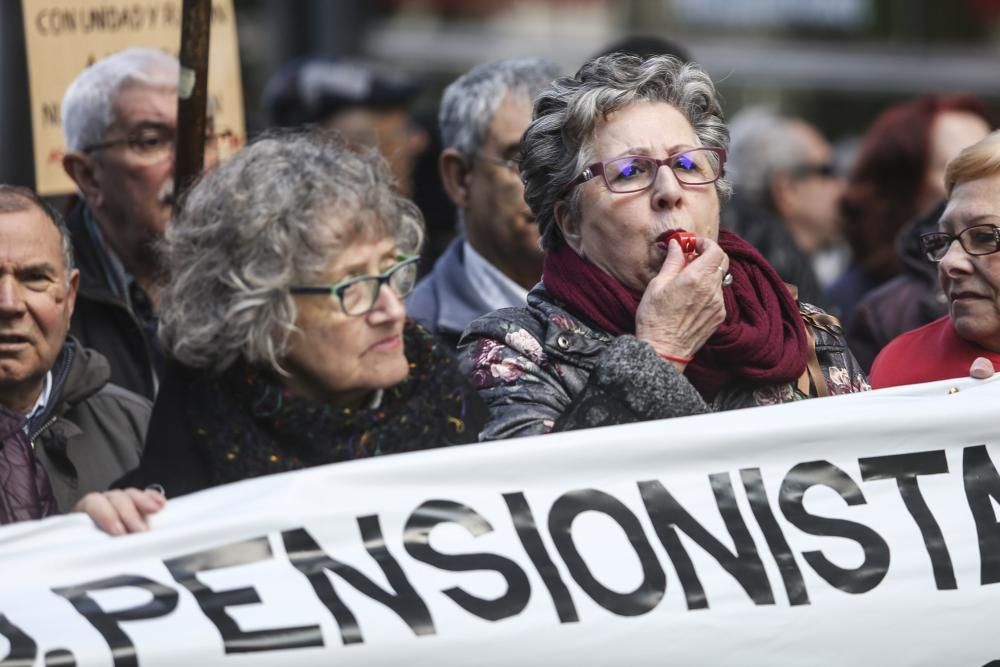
x=654 y=582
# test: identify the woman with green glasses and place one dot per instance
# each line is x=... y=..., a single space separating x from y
x=285 y=320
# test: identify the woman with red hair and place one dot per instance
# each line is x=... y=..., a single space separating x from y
x=966 y=250
x=899 y=175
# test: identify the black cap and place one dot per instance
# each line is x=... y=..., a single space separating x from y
x=309 y=91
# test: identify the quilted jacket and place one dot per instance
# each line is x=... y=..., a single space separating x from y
x=541 y=369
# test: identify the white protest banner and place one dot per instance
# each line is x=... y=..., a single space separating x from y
x=857 y=530
x=65 y=36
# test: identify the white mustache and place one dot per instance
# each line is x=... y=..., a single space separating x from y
x=166 y=193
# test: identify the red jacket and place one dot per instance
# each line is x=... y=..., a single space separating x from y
x=932 y=352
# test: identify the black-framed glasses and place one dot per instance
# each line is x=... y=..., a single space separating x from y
x=975 y=240
x=512 y=165
x=825 y=170
x=357 y=296
x=633 y=173
x=151 y=142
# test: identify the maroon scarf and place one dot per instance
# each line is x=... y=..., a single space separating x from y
x=762 y=339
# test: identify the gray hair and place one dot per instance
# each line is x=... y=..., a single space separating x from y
x=470 y=102
x=275 y=214
x=557 y=145
x=88 y=103
x=763 y=144
x=15 y=199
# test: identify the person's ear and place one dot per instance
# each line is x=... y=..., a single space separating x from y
x=71 y=292
x=570 y=232
x=455 y=172
x=83 y=170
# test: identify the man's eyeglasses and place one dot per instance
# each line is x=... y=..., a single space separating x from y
x=151 y=142
x=357 y=296
x=975 y=240
x=513 y=165
x=827 y=170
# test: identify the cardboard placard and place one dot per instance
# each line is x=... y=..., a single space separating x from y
x=65 y=37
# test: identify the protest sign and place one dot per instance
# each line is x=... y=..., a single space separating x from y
x=64 y=37
x=857 y=529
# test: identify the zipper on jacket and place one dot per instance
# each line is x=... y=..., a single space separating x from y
x=37 y=433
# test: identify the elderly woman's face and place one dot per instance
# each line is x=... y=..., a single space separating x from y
x=972 y=283
x=339 y=358
x=618 y=232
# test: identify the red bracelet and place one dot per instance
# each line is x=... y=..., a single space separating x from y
x=680 y=360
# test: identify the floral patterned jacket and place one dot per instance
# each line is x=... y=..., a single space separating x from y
x=540 y=369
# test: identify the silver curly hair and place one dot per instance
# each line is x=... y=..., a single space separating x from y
x=470 y=101
x=557 y=145
x=275 y=214
x=88 y=104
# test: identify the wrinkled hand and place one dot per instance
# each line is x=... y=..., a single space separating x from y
x=981 y=368
x=120 y=512
x=682 y=305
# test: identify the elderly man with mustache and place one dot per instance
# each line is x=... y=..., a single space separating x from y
x=120 y=120
x=64 y=430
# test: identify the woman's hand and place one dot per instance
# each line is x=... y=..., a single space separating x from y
x=682 y=305
x=981 y=368
x=120 y=512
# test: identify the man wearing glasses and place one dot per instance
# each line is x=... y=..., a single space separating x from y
x=120 y=120
x=786 y=196
x=496 y=258
x=968 y=264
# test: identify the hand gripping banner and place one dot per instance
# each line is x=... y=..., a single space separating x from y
x=856 y=529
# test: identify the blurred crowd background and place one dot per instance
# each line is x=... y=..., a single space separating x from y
x=834 y=62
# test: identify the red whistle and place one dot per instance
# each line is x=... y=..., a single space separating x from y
x=687 y=241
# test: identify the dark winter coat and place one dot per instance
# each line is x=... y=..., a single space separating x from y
x=766 y=232
x=91 y=431
x=908 y=301
x=541 y=369
x=103 y=321
x=211 y=429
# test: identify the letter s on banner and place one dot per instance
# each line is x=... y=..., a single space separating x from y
x=417 y=540
x=873 y=569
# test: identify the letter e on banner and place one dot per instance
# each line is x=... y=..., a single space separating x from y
x=214 y=603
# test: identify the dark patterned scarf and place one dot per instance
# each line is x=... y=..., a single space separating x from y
x=250 y=425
